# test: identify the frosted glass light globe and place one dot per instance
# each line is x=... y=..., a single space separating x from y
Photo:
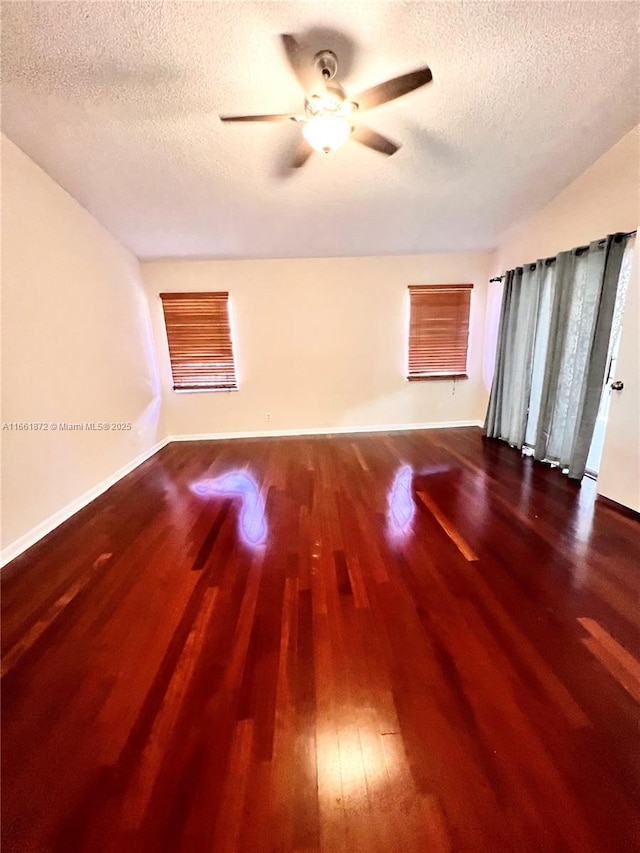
x=326 y=133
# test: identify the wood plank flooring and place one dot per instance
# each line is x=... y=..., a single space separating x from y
x=407 y=642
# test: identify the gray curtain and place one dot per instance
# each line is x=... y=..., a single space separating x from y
x=497 y=404
x=509 y=401
x=559 y=321
x=584 y=299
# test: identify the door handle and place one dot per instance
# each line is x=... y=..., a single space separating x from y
x=617 y=386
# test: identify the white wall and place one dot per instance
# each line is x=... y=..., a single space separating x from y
x=321 y=344
x=603 y=200
x=76 y=348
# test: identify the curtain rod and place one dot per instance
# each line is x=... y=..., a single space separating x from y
x=549 y=261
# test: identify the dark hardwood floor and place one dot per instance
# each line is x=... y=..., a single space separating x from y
x=407 y=642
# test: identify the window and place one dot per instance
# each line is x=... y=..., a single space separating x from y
x=438 y=330
x=199 y=338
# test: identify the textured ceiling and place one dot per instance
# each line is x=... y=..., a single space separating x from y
x=118 y=102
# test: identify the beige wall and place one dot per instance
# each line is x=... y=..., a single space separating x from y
x=605 y=199
x=321 y=344
x=76 y=347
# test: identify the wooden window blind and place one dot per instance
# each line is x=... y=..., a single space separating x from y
x=199 y=338
x=438 y=330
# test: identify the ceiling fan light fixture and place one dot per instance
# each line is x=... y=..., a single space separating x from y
x=326 y=133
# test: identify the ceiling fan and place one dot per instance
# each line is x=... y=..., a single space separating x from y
x=330 y=116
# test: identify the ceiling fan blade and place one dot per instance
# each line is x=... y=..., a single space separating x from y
x=372 y=139
x=275 y=117
x=305 y=72
x=391 y=89
x=301 y=154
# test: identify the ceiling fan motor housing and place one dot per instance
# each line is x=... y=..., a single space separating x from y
x=327 y=63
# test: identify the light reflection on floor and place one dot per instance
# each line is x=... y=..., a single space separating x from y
x=252 y=523
x=581 y=529
x=351 y=762
x=401 y=507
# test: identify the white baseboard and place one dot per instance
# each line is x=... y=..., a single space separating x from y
x=338 y=430
x=19 y=545
x=35 y=534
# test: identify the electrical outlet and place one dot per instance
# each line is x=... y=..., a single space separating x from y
x=267 y=416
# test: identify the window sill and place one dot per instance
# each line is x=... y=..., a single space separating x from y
x=430 y=377
x=204 y=390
